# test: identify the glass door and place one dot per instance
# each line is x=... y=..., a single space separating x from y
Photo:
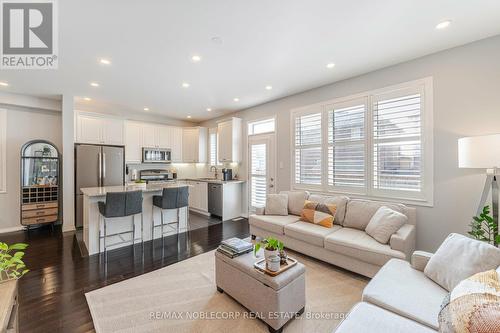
x=262 y=168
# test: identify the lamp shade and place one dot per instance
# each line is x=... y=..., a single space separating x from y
x=479 y=152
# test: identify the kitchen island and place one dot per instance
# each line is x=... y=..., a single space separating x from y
x=91 y=216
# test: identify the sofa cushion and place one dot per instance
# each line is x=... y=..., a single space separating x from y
x=318 y=213
x=359 y=212
x=338 y=200
x=296 y=200
x=401 y=289
x=460 y=257
x=384 y=223
x=365 y=317
x=309 y=233
x=272 y=223
x=358 y=244
x=276 y=204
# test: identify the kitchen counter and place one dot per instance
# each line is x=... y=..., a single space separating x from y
x=213 y=181
x=101 y=191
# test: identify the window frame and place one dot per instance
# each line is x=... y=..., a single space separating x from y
x=261 y=120
x=216 y=133
x=423 y=198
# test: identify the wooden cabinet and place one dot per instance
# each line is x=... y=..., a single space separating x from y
x=98 y=129
x=198 y=195
x=230 y=140
x=9 y=307
x=139 y=135
x=194 y=145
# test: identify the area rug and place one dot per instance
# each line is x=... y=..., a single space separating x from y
x=183 y=298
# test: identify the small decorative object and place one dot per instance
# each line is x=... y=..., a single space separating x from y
x=273 y=263
x=484 y=228
x=283 y=257
x=11 y=264
x=272 y=246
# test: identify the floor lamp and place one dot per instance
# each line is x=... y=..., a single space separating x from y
x=483 y=152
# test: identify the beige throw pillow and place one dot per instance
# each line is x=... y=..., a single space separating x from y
x=458 y=258
x=384 y=223
x=296 y=201
x=277 y=204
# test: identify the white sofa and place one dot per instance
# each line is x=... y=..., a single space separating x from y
x=346 y=244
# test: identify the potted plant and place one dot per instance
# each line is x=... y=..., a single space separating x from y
x=485 y=228
x=272 y=246
x=11 y=263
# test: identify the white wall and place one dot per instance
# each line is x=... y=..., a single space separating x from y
x=466 y=102
x=23 y=125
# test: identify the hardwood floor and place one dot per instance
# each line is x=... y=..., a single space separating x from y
x=52 y=294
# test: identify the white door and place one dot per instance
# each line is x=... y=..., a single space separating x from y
x=262 y=168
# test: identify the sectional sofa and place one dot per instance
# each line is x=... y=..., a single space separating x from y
x=346 y=244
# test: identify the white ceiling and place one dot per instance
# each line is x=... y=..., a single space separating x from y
x=283 y=43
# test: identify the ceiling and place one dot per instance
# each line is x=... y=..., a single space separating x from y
x=283 y=43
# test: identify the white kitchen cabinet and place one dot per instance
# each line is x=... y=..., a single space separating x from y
x=194 y=145
x=99 y=129
x=149 y=136
x=198 y=196
x=230 y=140
x=164 y=139
x=133 y=142
x=176 y=143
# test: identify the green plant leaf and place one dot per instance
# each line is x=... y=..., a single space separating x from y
x=4 y=247
x=18 y=246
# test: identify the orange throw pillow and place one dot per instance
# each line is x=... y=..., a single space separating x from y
x=320 y=214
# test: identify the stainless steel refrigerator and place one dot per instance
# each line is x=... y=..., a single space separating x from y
x=95 y=166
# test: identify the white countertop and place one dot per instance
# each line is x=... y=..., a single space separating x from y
x=213 y=181
x=101 y=191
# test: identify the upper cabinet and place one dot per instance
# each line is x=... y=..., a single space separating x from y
x=97 y=129
x=230 y=140
x=194 y=144
x=139 y=135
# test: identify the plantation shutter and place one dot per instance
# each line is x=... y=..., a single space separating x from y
x=213 y=146
x=308 y=149
x=258 y=174
x=397 y=141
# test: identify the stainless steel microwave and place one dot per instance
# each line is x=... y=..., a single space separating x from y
x=156 y=155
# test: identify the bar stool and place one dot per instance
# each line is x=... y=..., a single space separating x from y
x=120 y=204
x=171 y=198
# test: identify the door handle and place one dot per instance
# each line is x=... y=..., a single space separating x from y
x=99 y=172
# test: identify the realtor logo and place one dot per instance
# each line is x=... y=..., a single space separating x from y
x=29 y=39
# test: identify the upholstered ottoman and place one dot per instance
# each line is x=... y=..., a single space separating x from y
x=274 y=300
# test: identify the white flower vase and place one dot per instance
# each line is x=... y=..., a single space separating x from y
x=268 y=253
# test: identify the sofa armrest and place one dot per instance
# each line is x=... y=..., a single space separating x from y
x=419 y=260
x=260 y=211
x=404 y=240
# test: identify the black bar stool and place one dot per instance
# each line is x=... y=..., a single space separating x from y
x=120 y=204
x=171 y=198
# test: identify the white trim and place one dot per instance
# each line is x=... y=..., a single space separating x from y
x=262 y=119
x=426 y=196
x=11 y=229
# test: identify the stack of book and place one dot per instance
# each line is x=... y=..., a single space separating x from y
x=234 y=247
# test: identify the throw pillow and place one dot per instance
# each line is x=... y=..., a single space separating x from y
x=460 y=257
x=384 y=223
x=276 y=204
x=473 y=305
x=319 y=214
x=296 y=200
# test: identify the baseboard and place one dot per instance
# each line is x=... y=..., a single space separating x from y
x=201 y=212
x=11 y=229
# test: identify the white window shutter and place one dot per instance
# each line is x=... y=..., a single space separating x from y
x=308 y=149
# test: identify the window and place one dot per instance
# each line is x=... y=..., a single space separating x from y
x=258 y=175
x=308 y=149
x=3 y=150
x=261 y=126
x=213 y=141
x=375 y=144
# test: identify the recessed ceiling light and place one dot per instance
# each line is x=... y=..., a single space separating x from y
x=269 y=87
x=4 y=84
x=236 y=99
x=94 y=84
x=146 y=109
x=443 y=25
x=189 y=117
x=196 y=58
x=209 y=109
x=87 y=99
x=105 y=61
x=185 y=85
x=330 y=65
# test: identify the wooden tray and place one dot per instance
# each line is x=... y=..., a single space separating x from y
x=261 y=266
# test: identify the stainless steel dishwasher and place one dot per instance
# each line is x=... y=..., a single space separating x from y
x=215 y=199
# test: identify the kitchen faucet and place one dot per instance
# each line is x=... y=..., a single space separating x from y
x=214 y=169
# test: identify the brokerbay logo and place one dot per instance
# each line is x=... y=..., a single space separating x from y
x=29 y=34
